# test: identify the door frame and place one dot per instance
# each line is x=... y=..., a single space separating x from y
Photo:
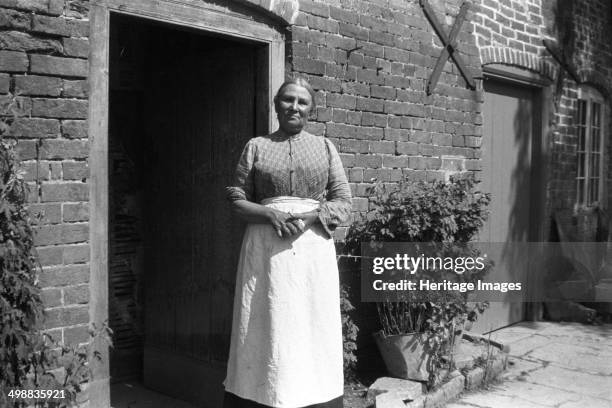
x=195 y=15
x=542 y=88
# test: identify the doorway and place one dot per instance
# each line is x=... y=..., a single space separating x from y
x=511 y=173
x=182 y=104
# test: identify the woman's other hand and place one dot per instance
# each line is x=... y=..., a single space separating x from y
x=308 y=218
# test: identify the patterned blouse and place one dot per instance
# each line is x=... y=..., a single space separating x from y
x=302 y=165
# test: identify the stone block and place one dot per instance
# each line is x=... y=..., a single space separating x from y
x=75 y=89
x=26 y=149
x=53 y=149
x=446 y=392
x=389 y=400
x=20 y=41
x=340 y=101
x=353 y=31
x=474 y=378
x=50 y=25
x=59 y=108
x=76 y=295
x=38 y=85
x=51 y=297
x=380 y=147
x=404 y=389
x=76 y=254
x=73 y=212
x=309 y=66
x=77 y=170
x=78 y=28
x=76 y=47
x=397 y=135
x=370 y=105
x=48 y=256
x=38 y=6
x=343 y=15
x=65 y=192
x=57 y=276
x=407 y=148
x=13 y=61
x=395 y=161
x=369 y=133
x=70 y=67
x=66 y=316
x=36 y=171
x=74 y=129
x=13 y=19
x=35 y=128
x=76 y=335
x=45 y=213
x=74 y=233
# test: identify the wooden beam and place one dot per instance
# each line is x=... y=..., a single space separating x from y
x=450 y=45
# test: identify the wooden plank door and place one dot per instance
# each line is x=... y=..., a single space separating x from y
x=507 y=151
x=201 y=103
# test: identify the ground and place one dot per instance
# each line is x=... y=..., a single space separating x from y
x=561 y=365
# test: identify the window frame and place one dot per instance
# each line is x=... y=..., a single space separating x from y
x=586 y=152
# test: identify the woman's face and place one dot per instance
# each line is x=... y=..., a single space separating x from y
x=293 y=107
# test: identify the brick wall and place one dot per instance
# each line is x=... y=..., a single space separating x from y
x=43 y=60
x=586 y=34
x=369 y=62
x=511 y=32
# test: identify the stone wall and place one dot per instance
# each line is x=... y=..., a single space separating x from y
x=43 y=62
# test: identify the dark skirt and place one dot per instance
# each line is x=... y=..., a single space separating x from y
x=233 y=401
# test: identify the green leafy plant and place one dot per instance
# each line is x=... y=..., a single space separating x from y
x=29 y=358
x=416 y=211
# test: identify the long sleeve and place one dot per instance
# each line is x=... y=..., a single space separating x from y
x=243 y=185
x=337 y=207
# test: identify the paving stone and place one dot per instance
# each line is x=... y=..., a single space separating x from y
x=583 y=401
x=582 y=383
x=519 y=367
x=389 y=400
x=561 y=365
x=535 y=393
x=510 y=336
x=405 y=389
x=491 y=400
x=585 y=359
x=528 y=344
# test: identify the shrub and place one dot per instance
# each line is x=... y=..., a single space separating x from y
x=416 y=211
x=29 y=358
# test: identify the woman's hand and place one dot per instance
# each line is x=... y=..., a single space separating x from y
x=308 y=218
x=283 y=223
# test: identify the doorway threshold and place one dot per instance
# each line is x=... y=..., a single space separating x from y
x=128 y=394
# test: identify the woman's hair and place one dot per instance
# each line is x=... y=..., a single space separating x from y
x=299 y=81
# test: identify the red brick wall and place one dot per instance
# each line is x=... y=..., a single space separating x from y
x=43 y=60
x=511 y=32
x=369 y=63
x=587 y=34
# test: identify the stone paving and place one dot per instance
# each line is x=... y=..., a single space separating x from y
x=561 y=365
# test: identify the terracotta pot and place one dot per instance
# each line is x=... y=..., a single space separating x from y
x=405 y=355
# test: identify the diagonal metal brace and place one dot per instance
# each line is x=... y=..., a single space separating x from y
x=449 y=44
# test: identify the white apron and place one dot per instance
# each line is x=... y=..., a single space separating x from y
x=286 y=344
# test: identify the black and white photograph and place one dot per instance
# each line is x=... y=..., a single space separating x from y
x=305 y=203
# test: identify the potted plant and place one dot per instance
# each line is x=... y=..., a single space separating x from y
x=419 y=329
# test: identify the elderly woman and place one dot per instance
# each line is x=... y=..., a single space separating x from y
x=286 y=345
